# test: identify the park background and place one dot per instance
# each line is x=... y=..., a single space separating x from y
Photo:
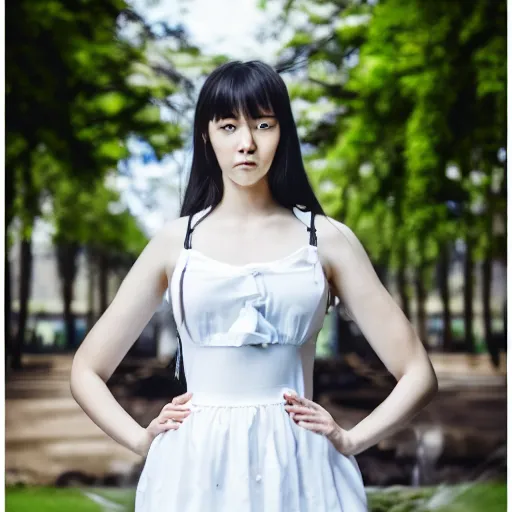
x=401 y=111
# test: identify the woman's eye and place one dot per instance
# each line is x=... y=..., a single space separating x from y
x=231 y=127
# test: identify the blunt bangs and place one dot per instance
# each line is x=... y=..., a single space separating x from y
x=243 y=91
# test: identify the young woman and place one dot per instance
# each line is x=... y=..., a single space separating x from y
x=250 y=267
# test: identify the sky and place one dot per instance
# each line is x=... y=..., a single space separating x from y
x=220 y=26
x=229 y=27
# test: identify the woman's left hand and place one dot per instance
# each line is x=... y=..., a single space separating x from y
x=314 y=417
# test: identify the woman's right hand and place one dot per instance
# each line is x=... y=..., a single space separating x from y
x=170 y=418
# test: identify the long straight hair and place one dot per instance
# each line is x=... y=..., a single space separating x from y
x=249 y=88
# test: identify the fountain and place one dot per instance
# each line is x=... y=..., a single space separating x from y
x=429 y=447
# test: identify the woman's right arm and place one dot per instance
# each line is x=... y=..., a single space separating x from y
x=115 y=332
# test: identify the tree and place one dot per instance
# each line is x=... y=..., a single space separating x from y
x=77 y=88
x=397 y=93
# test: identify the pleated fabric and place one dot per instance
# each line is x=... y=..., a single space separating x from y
x=247 y=458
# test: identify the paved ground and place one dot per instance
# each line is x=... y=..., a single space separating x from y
x=47 y=433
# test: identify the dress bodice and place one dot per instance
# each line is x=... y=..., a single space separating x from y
x=258 y=305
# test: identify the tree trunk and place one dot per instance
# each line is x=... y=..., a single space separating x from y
x=444 y=291
x=103 y=277
x=402 y=285
x=67 y=253
x=91 y=281
x=505 y=332
x=7 y=307
x=382 y=269
x=503 y=254
x=24 y=294
x=421 y=296
x=494 y=351
x=8 y=327
x=468 y=296
x=491 y=341
x=382 y=272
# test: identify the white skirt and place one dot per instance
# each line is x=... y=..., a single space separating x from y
x=237 y=455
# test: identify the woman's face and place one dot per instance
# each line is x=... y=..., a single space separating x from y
x=239 y=140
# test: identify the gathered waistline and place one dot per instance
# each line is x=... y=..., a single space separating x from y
x=268 y=396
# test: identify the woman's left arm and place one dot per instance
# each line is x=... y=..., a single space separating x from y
x=387 y=330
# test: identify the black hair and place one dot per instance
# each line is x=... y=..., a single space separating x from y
x=252 y=89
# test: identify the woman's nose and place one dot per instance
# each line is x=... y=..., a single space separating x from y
x=247 y=142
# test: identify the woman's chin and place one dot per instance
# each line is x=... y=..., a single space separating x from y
x=248 y=178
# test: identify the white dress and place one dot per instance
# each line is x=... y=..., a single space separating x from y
x=248 y=335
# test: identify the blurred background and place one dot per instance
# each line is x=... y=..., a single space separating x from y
x=401 y=110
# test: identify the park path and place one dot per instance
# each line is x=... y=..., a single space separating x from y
x=47 y=433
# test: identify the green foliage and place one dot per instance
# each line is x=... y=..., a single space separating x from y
x=95 y=219
x=488 y=496
x=48 y=499
x=77 y=89
x=301 y=38
x=412 y=88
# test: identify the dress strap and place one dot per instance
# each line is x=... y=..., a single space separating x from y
x=312 y=230
x=193 y=221
x=308 y=219
x=189 y=233
x=302 y=215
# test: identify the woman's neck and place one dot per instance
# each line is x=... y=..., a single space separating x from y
x=247 y=202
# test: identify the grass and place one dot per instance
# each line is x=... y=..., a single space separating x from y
x=488 y=497
x=398 y=499
x=123 y=497
x=47 y=499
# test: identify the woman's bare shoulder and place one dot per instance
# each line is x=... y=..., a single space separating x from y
x=176 y=228
x=172 y=235
x=335 y=241
x=330 y=229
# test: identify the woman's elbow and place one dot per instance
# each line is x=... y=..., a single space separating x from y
x=79 y=369
x=74 y=376
x=429 y=382
x=422 y=372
